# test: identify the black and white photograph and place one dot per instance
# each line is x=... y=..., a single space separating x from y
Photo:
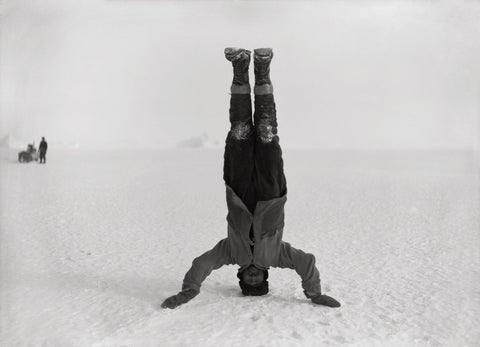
x=239 y=173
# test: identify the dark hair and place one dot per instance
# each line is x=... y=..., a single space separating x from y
x=249 y=290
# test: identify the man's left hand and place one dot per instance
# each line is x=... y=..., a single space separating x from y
x=179 y=299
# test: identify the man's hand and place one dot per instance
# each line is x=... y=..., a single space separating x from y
x=181 y=298
x=325 y=300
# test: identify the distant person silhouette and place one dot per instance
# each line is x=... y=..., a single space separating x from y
x=42 y=149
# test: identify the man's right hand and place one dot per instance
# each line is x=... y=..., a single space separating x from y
x=179 y=299
x=325 y=300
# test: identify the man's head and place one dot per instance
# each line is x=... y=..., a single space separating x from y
x=253 y=281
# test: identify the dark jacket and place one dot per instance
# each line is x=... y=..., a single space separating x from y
x=269 y=249
x=42 y=148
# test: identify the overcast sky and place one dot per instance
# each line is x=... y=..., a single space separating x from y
x=347 y=74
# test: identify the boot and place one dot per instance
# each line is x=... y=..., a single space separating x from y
x=240 y=59
x=262 y=58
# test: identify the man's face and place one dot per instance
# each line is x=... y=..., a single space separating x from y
x=253 y=276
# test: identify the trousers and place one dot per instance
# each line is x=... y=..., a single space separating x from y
x=253 y=166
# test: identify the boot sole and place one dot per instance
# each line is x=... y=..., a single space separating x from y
x=234 y=53
x=263 y=54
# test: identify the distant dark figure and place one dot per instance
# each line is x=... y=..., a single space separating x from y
x=42 y=150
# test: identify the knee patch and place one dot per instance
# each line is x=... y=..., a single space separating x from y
x=241 y=130
x=266 y=131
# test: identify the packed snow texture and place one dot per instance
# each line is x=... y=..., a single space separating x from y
x=93 y=242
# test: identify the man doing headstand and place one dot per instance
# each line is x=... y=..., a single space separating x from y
x=256 y=194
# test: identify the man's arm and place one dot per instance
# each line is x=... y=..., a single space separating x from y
x=304 y=264
x=202 y=266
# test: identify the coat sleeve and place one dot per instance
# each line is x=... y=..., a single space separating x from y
x=304 y=264
x=203 y=265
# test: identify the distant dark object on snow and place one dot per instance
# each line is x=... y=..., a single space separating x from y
x=29 y=154
x=42 y=150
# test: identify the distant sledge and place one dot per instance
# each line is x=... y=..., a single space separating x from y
x=29 y=154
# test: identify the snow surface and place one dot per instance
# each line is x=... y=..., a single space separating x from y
x=93 y=242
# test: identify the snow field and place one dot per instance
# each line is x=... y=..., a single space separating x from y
x=92 y=242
